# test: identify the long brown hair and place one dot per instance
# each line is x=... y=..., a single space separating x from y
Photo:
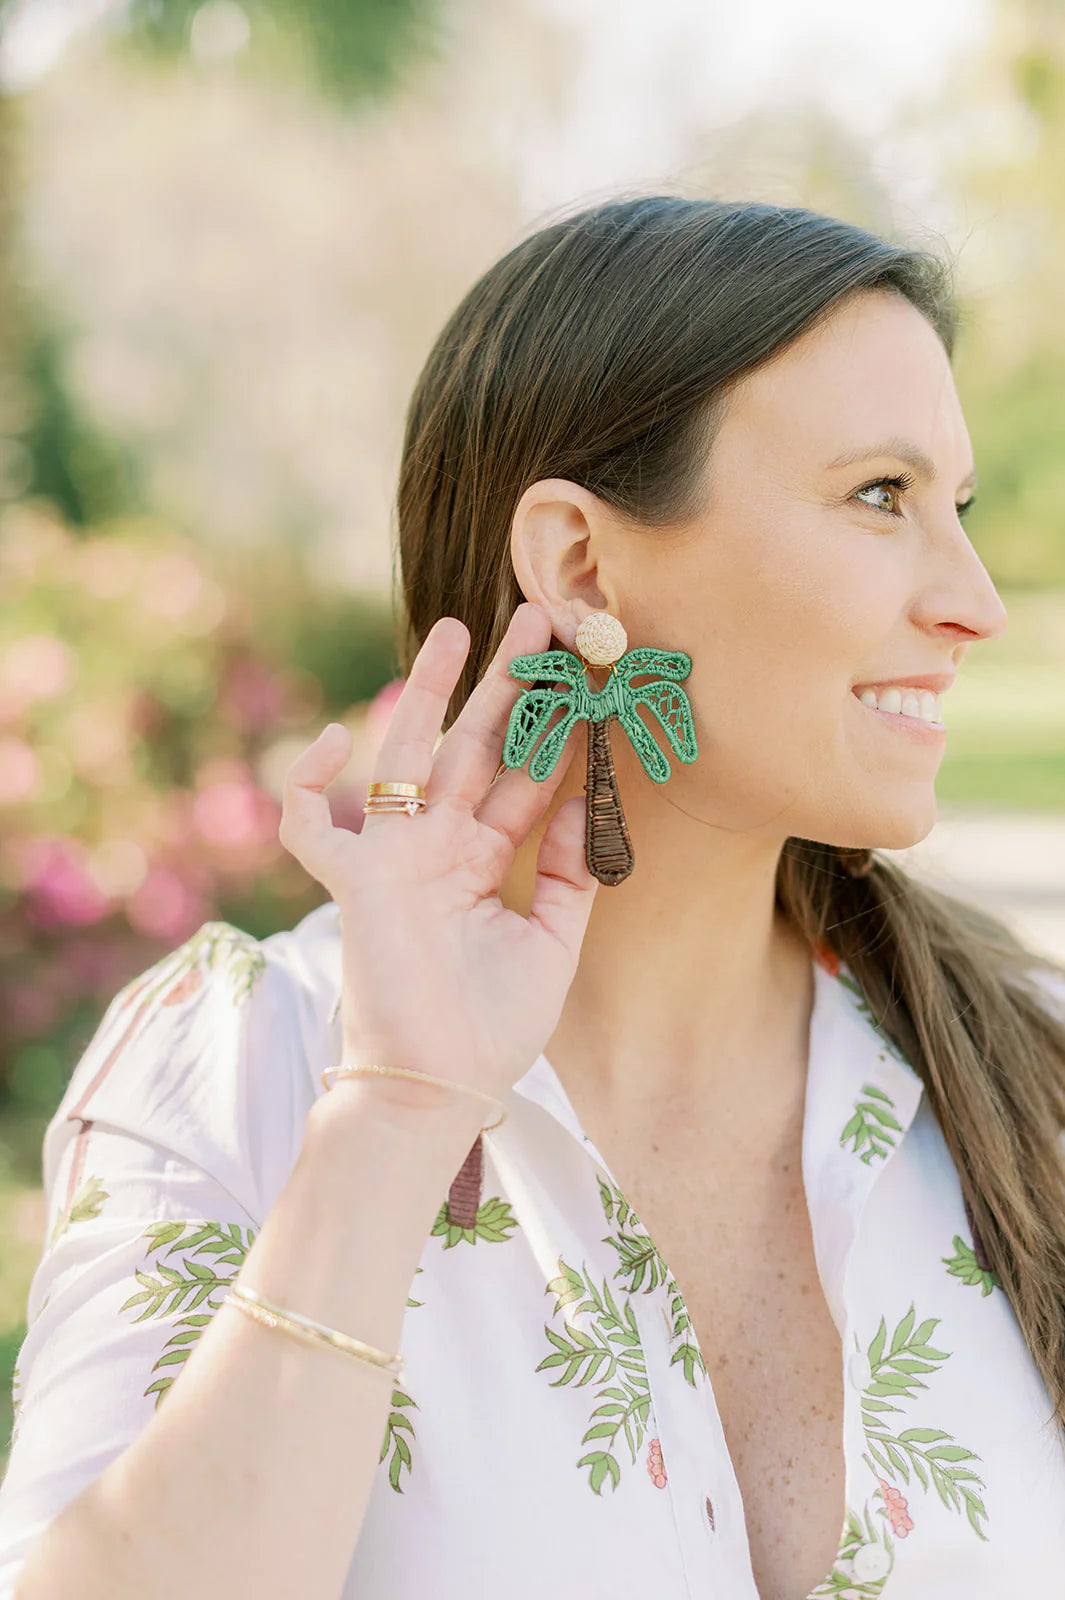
x=599 y=350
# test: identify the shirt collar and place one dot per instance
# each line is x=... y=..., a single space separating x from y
x=862 y=1095
x=861 y=1098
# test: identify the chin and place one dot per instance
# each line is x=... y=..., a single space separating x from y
x=900 y=831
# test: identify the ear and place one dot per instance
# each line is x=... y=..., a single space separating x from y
x=560 y=545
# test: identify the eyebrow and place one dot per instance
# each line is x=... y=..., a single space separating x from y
x=904 y=450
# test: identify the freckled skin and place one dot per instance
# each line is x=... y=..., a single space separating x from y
x=737 y=1236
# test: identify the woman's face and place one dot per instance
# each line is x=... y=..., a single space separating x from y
x=807 y=576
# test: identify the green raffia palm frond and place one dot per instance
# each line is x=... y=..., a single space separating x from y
x=560 y=684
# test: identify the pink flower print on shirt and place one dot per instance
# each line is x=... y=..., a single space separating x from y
x=826 y=958
x=188 y=984
x=897 y=1509
x=655 y=1466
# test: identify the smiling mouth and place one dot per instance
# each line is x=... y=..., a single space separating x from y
x=933 y=732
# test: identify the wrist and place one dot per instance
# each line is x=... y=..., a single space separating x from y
x=416 y=1110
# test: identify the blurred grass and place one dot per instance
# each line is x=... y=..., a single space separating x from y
x=1005 y=748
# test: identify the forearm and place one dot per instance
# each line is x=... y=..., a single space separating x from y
x=254 y=1474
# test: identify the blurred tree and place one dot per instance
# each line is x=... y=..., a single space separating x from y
x=350 y=50
x=14 y=399
x=48 y=445
x=1006 y=156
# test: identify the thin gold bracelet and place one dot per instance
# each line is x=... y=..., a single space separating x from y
x=305 y=1328
x=354 y=1069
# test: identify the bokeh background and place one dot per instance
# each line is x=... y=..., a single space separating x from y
x=229 y=232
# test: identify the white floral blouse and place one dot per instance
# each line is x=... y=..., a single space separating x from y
x=556 y=1431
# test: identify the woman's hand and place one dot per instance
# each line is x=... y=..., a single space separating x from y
x=438 y=976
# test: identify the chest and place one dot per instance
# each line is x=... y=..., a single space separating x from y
x=737 y=1239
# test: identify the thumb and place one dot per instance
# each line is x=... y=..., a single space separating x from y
x=565 y=890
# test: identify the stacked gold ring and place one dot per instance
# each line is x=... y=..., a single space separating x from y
x=408 y=797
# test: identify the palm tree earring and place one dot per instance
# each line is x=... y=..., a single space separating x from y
x=560 y=683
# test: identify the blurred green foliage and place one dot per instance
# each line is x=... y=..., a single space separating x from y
x=1017 y=427
x=349 y=50
x=1011 y=357
x=84 y=473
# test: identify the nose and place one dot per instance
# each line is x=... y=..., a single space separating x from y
x=962 y=601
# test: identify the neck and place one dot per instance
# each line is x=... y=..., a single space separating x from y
x=692 y=990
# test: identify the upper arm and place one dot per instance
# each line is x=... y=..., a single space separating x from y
x=179 y=1126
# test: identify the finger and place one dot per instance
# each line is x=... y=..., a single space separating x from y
x=306 y=829
x=406 y=752
x=470 y=752
x=515 y=802
x=565 y=890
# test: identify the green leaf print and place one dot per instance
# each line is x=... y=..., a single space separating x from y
x=229 y=950
x=964 y=1265
x=220 y=947
x=609 y=1353
x=394 y=1445
x=494 y=1221
x=848 y=981
x=87 y=1203
x=897 y=1371
x=16 y=1401
x=394 y=1441
x=640 y=1261
x=169 y=1290
x=860 y=1531
x=873 y=1126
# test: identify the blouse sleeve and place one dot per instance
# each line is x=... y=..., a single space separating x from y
x=177 y=1131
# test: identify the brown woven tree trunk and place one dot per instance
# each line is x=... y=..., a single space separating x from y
x=464 y=1196
x=607 y=846
x=979 y=1251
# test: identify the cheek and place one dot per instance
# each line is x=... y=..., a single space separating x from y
x=781 y=648
x=780 y=613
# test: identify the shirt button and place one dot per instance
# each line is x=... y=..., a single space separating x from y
x=859 y=1371
x=870 y=1562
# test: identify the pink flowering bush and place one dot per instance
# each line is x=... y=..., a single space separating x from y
x=145 y=728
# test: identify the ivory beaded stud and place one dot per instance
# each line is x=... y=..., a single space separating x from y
x=601 y=639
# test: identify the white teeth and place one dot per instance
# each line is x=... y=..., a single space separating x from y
x=921 y=703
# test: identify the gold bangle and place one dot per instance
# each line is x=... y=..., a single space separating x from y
x=311 y=1332
x=352 y=1070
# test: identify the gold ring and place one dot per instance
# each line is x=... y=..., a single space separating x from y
x=411 y=807
x=400 y=791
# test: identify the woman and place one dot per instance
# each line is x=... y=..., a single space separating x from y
x=759 y=1288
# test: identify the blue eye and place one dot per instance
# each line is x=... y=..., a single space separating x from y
x=899 y=483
